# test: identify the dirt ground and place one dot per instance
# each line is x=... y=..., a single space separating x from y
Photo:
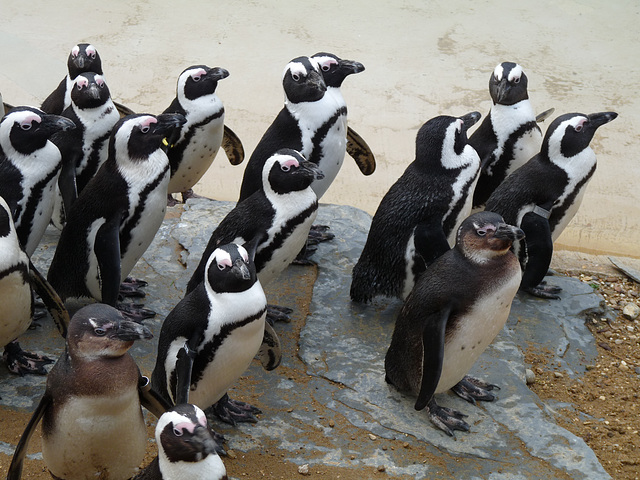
x=601 y=406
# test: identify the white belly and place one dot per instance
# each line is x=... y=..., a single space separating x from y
x=333 y=148
x=15 y=307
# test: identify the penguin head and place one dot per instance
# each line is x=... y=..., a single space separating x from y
x=302 y=81
x=484 y=236
x=334 y=70
x=83 y=58
x=89 y=90
x=199 y=80
x=27 y=129
x=570 y=134
x=183 y=435
x=288 y=171
x=442 y=142
x=101 y=331
x=508 y=84
x=138 y=136
x=230 y=269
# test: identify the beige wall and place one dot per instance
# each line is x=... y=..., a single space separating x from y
x=422 y=59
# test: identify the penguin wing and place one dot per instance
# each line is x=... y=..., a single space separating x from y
x=17 y=462
x=107 y=250
x=269 y=354
x=358 y=149
x=539 y=247
x=232 y=146
x=51 y=299
x=541 y=117
x=430 y=240
x=54 y=103
x=123 y=110
x=433 y=335
x=150 y=399
x=484 y=141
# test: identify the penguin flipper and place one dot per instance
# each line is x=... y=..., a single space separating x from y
x=269 y=354
x=17 y=462
x=184 y=367
x=67 y=184
x=107 y=250
x=541 y=117
x=358 y=149
x=433 y=334
x=232 y=147
x=51 y=299
x=54 y=103
x=539 y=244
x=150 y=399
x=123 y=110
x=430 y=240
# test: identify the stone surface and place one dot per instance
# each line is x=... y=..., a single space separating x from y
x=342 y=346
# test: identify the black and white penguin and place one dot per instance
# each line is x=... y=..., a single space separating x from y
x=16 y=307
x=82 y=58
x=186 y=448
x=118 y=213
x=92 y=422
x=29 y=168
x=509 y=135
x=454 y=312
x=194 y=148
x=543 y=195
x=209 y=339
x=417 y=219
x=279 y=215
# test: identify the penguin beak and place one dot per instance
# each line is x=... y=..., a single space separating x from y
x=241 y=270
x=311 y=170
x=508 y=232
x=167 y=122
x=129 y=331
x=598 y=119
x=349 y=67
x=94 y=91
x=217 y=73
x=501 y=91
x=203 y=441
x=55 y=123
x=470 y=119
x=315 y=80
x=79 y=61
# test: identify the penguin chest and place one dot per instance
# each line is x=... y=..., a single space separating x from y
x=203 y=144
x=472 y=332
x=15 y=307
x=97 y=436
x=525 y=148
x=566 y=213
x=332 y=149
x=462 y=199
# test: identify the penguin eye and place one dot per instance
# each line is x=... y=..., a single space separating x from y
x=145 y=129
x=196 y=78
x=295 y=77
x=325 y=68
x=285 y=168
x=482 y=233
x=221 y=266
x=579 y=128
x=516 y=80
x=25 y=126
x=177 y=432
x=99 y=331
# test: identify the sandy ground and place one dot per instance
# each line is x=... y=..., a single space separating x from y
x=422 y=59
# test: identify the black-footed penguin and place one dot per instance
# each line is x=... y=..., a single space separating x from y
x=417 y=219
x=16 y=307
x=509 y=135
x=279 y=214
x=209 y=339
x=118 y=213
x=29 y=168
x=82 y=58
x=186 y=448
x=454 y=312
x=92 y=422
x=543 y=195
x=194 y=148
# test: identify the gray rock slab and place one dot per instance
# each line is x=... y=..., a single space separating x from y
x=339 y=348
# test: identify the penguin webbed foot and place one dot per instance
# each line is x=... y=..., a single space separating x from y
x=277 y=313
x=318 y=234
x=171 y=202
x=187 y=194
x=472 y=389
x=132 y=288
x=542 y=290
x=447 y=419
x=303 y=257
x=233 y=411
x=135 y=311
x=22 y=363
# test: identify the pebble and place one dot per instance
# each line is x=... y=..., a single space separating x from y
x=631 y=311
x=332 y=423
x=558 y=375
x=372 y=436
x=303 y=469
x=529 y=376
x=381 y=468
x=231 y=454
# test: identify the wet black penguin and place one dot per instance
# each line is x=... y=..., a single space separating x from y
x=209 y=339
x=418 y=217
x=454 y=312
x=82 y=58
x=194 y=148
x=92 y=421
x=509 y=135
x=118 y=213
x=29 y=168
x=186 y=448
x=279 y=214
x=543 y=195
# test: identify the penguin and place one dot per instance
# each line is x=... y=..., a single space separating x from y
x=209 y=339
x=92 y=421
x=457 y=307
x=195 y=146
x=117 y=214
x=82 y=58
x=418 y=217
x=543 y=195
x=509 y=135
x=279 y=215
x=186 y=448
x=29 y=168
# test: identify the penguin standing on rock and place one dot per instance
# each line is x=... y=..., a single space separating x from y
x=118 y=213
x=29 y=168
x=453 y=313
x=509 y=135
x=417 y=219
x=209 y=339
x=194 y=147
x=543 y=195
